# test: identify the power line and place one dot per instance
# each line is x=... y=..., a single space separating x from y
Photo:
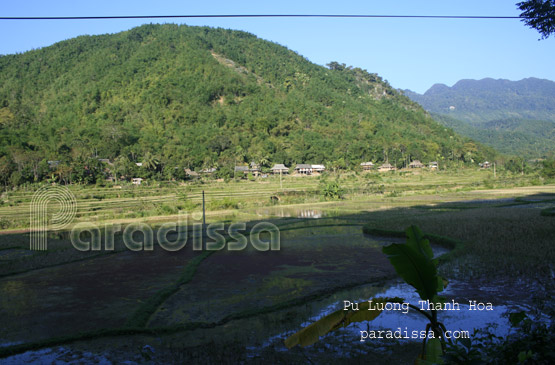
x=108 y=17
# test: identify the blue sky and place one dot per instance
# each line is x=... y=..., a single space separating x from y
x=409 y=53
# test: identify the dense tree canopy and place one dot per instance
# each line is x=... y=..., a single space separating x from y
x=175 y=97
x=540 y=15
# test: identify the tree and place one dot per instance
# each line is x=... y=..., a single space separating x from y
x=264 y=161
x=150 y=162
x=516 y=165
x=86 y=170
x=6 y=169
x=224 y=172
x=540 y=15
x=331 y=190
x=198 y=113
x=336 y=66
x=122 y=167
x=240 y=154
x=548 y=169
x=63 y=173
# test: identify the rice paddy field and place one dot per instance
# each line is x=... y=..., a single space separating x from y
x=205 y=306
x=156 y=201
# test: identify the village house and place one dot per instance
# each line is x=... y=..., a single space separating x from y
x=416 y=164
x=318 y=168
x=137 y=181
x=303 y=169
x=386 y=167
x=367 y=166
x=485 y=165
x=242 y=169
x=255 y=169
x=191 y=173
x=105 y=160
x=53 y=164
x=209 y=171
x=279 y=168
x=433 y=165
x=108 y=174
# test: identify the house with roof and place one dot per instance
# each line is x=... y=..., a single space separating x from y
x=367 y=166
x=279 y=168
x=485 y=165
x=433 y=165
x=136 y=181
x=416 y=164
x=386 y=167
x=303 y=169
x=105 y=160
x=209 y=171
x=254 y=168
x=242 y=169
x=53 y=164
x=190 y=173
x=318 y=168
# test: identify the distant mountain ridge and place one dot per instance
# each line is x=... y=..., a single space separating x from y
x=515 y=117
x=488 y=99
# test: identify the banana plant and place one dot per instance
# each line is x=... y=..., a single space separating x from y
x=414 y=263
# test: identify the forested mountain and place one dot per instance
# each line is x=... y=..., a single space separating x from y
x=179 y=96
x=514 y=117
x=522 y=137
x=485 y=100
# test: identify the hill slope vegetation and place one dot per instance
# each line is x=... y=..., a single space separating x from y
x=178 y=96
x=515 y=117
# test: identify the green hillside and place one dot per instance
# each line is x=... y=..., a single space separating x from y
x=526 y=138
x=178 y=96
x=514 y=117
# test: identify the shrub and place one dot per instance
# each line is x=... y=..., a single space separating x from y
x=488 y=183
x=5 y=223
x=225 y=203
x=167 y=210
x=531 y=341
x=548 y=169
x=331 y=190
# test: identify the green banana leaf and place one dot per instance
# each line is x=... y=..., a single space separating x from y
x=414 y=263
x=341 y=318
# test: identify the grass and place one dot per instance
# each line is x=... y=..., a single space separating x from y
x=498 y=240
x=433 y=238
x=142 y=315
x=128 y=202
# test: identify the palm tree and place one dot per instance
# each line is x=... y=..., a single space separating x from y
x=264 y=161
x=240 y=153
x=150 y=162
x=121 y=167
